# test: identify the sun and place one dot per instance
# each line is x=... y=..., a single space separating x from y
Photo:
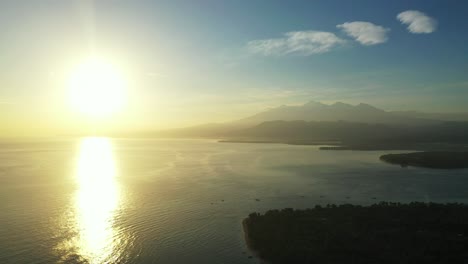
x=96 y=88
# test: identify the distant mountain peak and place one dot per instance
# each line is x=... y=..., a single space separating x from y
x=368 y=107
x=317 y=111
x=341 y=104
x=336 y=104
x=313 y=103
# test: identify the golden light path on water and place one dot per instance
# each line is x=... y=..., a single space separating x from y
x=96 y=201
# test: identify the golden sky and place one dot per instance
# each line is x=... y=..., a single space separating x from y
x=183 y=63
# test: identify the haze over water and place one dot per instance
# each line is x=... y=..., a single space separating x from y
x=101 y=200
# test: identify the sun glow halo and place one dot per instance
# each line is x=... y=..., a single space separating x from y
x=96 y=88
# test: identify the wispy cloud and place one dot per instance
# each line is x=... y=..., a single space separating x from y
x=365 y=33
x=296 y=42
x=417 y=21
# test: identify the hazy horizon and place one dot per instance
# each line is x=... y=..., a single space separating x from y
x=99 y=127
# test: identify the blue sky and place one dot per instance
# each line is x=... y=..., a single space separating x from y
x=219 y=60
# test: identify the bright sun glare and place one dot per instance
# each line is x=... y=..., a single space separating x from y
x=96 y=88
x=97 y=199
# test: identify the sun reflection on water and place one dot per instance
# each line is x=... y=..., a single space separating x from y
x=96 y=201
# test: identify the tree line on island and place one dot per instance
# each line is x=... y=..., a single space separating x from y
x=385 y=233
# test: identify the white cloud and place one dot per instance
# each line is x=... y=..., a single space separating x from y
x=365 y=33
x=417 y=21
x=296 y=42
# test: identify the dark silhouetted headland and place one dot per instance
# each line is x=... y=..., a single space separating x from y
x=434 y=159
x=382 y=233
x=358 y=136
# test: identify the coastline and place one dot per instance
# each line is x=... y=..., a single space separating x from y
x=429 y=159
x=290 y=142
x=335 y=145
x=248 y=242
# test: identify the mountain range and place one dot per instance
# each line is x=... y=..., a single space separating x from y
x=316 y=112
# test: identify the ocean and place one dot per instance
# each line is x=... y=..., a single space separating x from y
x=106 y=200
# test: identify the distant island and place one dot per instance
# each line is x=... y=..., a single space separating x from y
x=383 y=233
x=371 y=147
x=431 y=159
x=288 y=142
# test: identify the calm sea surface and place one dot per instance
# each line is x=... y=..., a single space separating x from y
x=100 y=200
